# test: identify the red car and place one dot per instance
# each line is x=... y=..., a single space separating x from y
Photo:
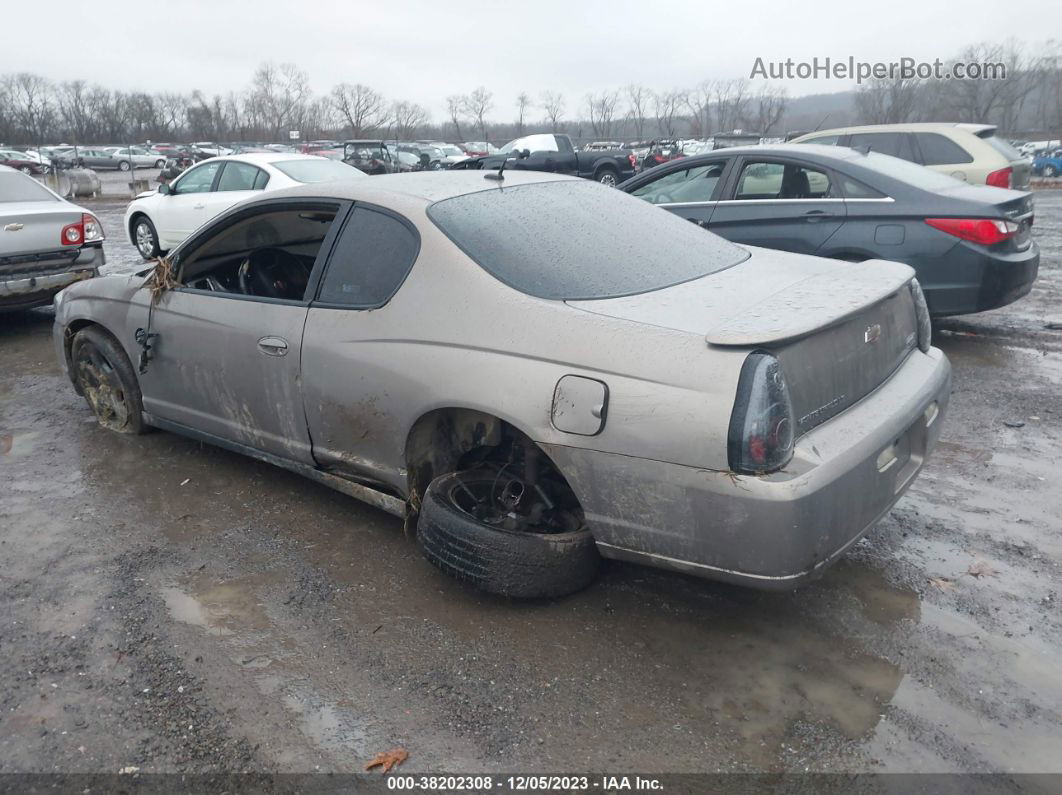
x=19 y=162
x=661 y=152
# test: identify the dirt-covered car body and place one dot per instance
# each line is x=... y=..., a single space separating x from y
x=638 y=398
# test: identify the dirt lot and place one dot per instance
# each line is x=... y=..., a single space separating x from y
x=174 y=607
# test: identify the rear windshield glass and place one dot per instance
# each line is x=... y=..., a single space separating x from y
x=15 y=187
x=577 y=240
x=905 y=171
x=322 y=170
x=1003 y=147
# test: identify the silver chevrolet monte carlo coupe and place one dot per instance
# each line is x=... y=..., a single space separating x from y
x=534 y=371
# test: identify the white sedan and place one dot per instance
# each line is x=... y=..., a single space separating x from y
x=158 y=220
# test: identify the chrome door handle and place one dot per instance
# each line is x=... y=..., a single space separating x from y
x=273 y=346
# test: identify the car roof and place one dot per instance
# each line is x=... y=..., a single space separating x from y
x=423 y=187
x=264 y=157
x=796 y=150
x=927 y=126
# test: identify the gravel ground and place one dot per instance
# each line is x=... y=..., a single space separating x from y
x=169 y=606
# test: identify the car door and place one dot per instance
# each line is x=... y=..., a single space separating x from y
x=687 y=190
x=237 y=181
x=184 y=208
x=781 y=203
x=353 y=409
x=227 y=364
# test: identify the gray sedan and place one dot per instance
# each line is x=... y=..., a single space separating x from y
x=46 y=242
x=971 y=246
x=534 y=371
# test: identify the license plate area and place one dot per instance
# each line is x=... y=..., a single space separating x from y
x=903 y=458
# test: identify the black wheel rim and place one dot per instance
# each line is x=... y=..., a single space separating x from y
x=505 y=501
x=102 y=386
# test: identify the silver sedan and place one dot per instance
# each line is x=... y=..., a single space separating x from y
x=533 y=371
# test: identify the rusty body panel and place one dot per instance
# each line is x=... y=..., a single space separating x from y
x=653 y=477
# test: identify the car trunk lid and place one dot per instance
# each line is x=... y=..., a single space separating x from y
x=30 y=237
x=1014 y=205
x=839 y=329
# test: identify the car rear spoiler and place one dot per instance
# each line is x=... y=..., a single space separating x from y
x=818 y=302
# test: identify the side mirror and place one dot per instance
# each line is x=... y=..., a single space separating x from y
x=165 y=189
x=523 y=154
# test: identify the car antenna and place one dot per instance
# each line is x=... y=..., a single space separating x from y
x=500 y=175
x=819 y=125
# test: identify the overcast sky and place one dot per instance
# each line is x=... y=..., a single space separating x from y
x=423 y=51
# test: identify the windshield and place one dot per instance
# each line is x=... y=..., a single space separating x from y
x=577 y=240
x=15 y=187
x=322 y=170
x=906 y=171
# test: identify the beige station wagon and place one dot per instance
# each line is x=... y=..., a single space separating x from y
x=970 y=152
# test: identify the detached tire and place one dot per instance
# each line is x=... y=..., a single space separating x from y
x=520 y=564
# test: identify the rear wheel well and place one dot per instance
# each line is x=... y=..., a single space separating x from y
x=455 y=439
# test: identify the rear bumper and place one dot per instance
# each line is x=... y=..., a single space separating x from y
x=981 y=280
x=775 y=531
x=36 y=286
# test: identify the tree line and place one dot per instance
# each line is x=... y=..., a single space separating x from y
x=35 y=110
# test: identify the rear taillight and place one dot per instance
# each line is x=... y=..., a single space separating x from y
x=925 y=327
x=1001 y=178
x=87 y=230
x=977 y=230
x=762 y=424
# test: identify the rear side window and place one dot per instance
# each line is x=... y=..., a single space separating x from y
x=938 y=150
x=1002 y=147
x=854 y=189
x=372 y=257
x=238 y=176
x=894 y=144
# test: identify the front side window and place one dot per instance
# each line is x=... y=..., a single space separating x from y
x=269 y=254
x=372 y=257
x=761 y=180
x=197 y=180
x=697 y=184
x=546 y=239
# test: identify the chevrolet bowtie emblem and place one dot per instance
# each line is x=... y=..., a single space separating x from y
x=13 y=227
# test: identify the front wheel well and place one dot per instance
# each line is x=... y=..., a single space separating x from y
x=71 y=330
x=456 y=439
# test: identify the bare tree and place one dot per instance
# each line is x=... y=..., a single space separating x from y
x=74 y=109
x=699 y=104
x=638 y=99
x=279 y=95
x=885 y=101
x=666 y=106
x=408 y=118
x=731 y=103
x=477 y=105
x=455 y=107
x=602 y=109
x=362 y=107
x=31 y=99
x=553 y=105
x=769 y=107
x=523 y=102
